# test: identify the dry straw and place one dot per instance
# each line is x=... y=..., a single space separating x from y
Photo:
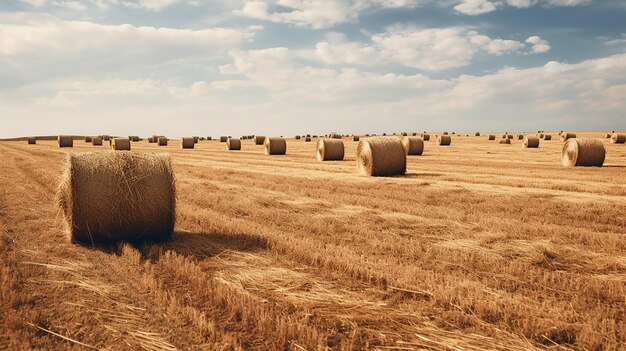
x=330 y=150
x=259 y=140
x=444 y=140
x=355 y=138
x=583 y=152
x=233 y=144
x=492 y=137
x=531 y=142
x=32 y=141
x=139 y=191
x=413 y=146
x=505 y=141
x=426 y=137
x=379 y=156
x=65 y=141
x=275 y=146
x=96 y=141
x=187 y=143
x=618 y=139
x=162 y=141
x=120 y=144
x=567 y=136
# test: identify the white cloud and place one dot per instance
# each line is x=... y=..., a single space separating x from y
x=622 y=40
x=72 y=5
x=479 y=7
x=539 y=46
x=568 y=2
x=153 y=5
x=521 y=3
x=35 y=3
x=494 y=46
x=475 y=7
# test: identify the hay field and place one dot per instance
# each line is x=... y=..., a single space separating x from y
x=479 y=246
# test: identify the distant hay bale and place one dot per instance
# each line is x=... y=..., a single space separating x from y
x=196 y=139
x=547 y=137
x=223 y=139
x=445 y=133
x=162 y=141
x=297 y=137
x=88 y=139
x=209 y=138
x=233 y=144
x=618 y=139
x=275 y=146
x=259 y=139
x=413 y=146
x=492 y=137
x=32 y=141
x=505 y=141
x=65 y=141
x=314 y=136
x=106 y=137
x=607 y=135
x=520 y=136
x=356 y=138
x=583 y=152
x=120 y=144
x=405 y=134
x=307 y=139
x=150 y=140
x=187 y=143
x=135 y=138
x=531 y=142
x=96 y=141
x=335 y=135
x=567 y=136
x=139 y=191
x=414 y=134
x=541 y=135
x=444 y=140
x=378 y=156
x=202 y=138
x=477 y=134
x=330 y=150
x=426 y=137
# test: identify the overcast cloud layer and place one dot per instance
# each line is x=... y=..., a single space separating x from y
x=294 y=66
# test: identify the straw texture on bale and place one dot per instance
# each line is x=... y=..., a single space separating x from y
x=307 y=139
x=547 y=137
x=330 y=150
x=583 y=152
x=275 y=146
x=259 y=140
x=413 y=146
x=65 y=141
x=381 y=157
x=162 y=141
x=223 y=139
x=444 y=140
x=139 y=191
x=32 y=140
x=87 y=139
x=505 y=141
x=233 y=144
x=531 y=142
x=567 y=136
x=120 y=144
x=96 y=141
x=426 y=137
x=618 y=139
x=356 y=138
x=187 y=143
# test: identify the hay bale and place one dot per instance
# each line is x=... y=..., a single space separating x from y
x=520 y=136
x=139 y=191
x=356 y=138
x=492 y=137
x=607 y=135
x=405 y=134
x=381 y=157
x=65 y=141
x=209 y=138
x=297 y=137
x=413 y=146
x=618 y=139
x=477 y=134
x=259 y=139
x=547 y=137
x=426 y=137
x=162 y=141
x=135 y=138
x=223 y=139
x=505 y=141
x=187 y=143
x=233 y=144
x=151 y=140
x=31 y=141
x=444 y=140
x=583 y=152
x=531 y=142
x=307 y=139
x=275 y=146
x=120 y=144
x=445 y=133
x=106 y=137
x=541 y=135
x=330 y=150
x=567 y=136
x=96 y=141
x=87 y=139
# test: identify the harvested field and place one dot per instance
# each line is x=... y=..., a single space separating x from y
x=477 y=246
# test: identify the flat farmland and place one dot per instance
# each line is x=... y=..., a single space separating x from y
x=479 y=246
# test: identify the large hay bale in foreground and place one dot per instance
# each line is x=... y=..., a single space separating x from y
x=583 y=152
x=120 y=144
x=444 y=140
x=378 y=156
x=162 y=141
x=65 y=141
x=413 y=146
x=505 y=141
x=32 y=141
x=139 y=191
x=275 y=146
x=187 y=143
x=426 y=137
x=618 y=138
x=492 y=137
x=531 y=142
x=330 y=150
x=96 y=141
x=567 y=136
x=233 y=144
x=259 y=139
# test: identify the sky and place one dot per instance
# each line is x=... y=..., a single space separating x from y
x=287 y=67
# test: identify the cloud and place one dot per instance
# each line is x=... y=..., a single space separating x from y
x=539 y=46
x=494 y=46
x=153 y=5
x=35 y=3
x=521 y=3
x=479 y=7
x=619 y=41
x=475 y=7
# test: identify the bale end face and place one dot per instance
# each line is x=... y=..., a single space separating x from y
x=275 y=146
x=65 y=141
x=233 y=144
x=381 y=157
x=96 y=141
x=330 y=150
x=120 y=144
x=32 y=141
x=583 y=153
x=187 y=143
x=162 y=141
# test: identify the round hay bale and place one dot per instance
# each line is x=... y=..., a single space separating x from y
x=297 y=137
x=135 y=139
x=65 y=141
x=106 y=137
x=505 y=141
x=413 y=146
x=275 y=146
x=492 y=137
x=31 y=141
x=140 y=194
x=196 y=139
x=187 y=143
x=120 y=144
x=259 y=140
x=618 y=139
x=426 y=137
x=405 y=134
x=88 y=139
x=607 y=135
x=531 y=142
x=162 y=141
x=307 y=139
x=414 y=134
x=540 y=135
x=547 y=137
x=223 y=139
x=378 y=156
x=330 y=150
x=150 y=140
x=356 y=138
x=444 y=140
x=445 y=133
x=209 y=138
x=96 y=141
x=520 y=136
x=233 y=144
x=583 y=152
x=477 y=134
x=567 y=136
